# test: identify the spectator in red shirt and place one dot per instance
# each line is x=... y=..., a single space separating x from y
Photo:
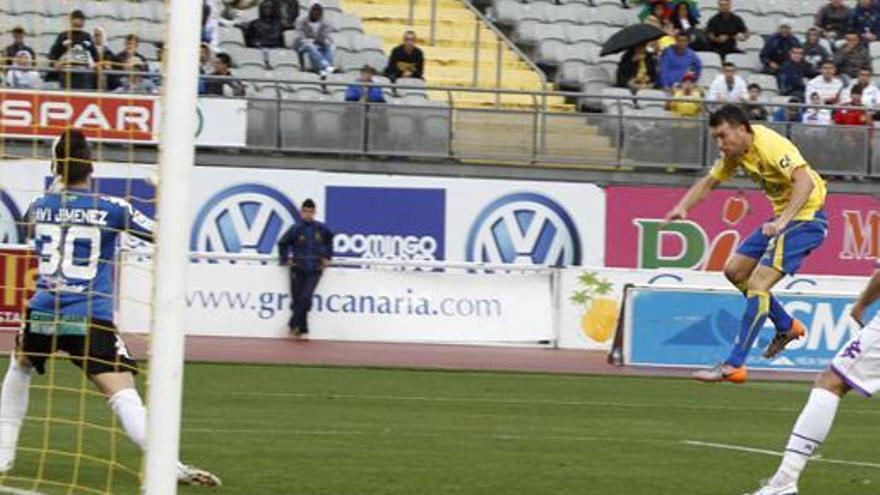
x=852 y=116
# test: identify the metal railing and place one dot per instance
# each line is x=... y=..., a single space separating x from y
x=634 y=132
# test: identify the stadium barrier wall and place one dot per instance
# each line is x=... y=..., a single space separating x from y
x=112 y=117
x=675 y=326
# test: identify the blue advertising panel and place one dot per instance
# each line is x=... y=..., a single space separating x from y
x=691 y=327
x=387 y=223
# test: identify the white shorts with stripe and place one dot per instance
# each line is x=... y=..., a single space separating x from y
x=858 y=362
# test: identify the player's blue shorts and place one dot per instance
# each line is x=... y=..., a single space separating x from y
x=786 y=252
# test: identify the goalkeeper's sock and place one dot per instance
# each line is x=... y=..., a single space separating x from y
x=14 y=397
x=809 y=432
x=129 y=408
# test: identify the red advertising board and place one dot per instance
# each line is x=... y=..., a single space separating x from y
x=104 y=117
x=18 y=268
x=637 y=238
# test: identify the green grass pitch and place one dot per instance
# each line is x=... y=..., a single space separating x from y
x=343 y=431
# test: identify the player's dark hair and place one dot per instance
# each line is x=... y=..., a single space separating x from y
x=733 y=115
x=309 y=203
x=72 y=158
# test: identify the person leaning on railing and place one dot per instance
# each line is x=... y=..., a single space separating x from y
x=682 y=104
x=22 y=74
x=18 y=44
x=221 y=82
x=359 y=91
x=753 y=106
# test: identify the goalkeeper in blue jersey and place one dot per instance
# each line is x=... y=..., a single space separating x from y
x=75 y=234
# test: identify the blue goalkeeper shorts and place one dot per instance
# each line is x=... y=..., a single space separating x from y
x=786 y=252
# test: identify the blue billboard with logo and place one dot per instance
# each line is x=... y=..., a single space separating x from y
x=387 y=222
x=691 y=327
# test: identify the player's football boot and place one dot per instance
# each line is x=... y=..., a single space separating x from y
x=193 y=476
x=781 y=339
x=722 y=373
x=789 y=489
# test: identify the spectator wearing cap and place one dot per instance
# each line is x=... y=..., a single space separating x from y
x=679 y=105
x=22 y=74
x=221 y=82
x=816 y=49
x=852 y=56
x=724 y=30
x=313 y=39
x=790 y=77
x=678 y=60
x=406 y=60
x=777 y=46
x=728 y=87
x=74 y=49
x=18 y=44
x=790 y=113
x=827 y=85
x=360 y=91
x=853 y=116
x=814 y=115
x=870 y=96
x=754 y=109
x=833 y=18
x=307 y=249
x=865 y=20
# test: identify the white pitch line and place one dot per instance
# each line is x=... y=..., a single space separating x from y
x=17 y=491
x=774 y=453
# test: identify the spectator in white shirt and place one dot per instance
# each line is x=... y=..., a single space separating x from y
x=870 y=92
x=814 y=115
x=827 y=85
x=728 y=87
x=22 y=74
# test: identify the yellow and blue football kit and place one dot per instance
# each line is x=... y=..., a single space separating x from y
x=770 y=162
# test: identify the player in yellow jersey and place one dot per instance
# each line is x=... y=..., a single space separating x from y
x=778 y=247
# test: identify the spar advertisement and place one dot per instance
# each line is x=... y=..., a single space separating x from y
x=115 y=117
x=714 y=229
x=691 y=327
x=245 y=211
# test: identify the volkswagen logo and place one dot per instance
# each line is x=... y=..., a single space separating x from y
x=247 y=218
x=524 y=228
x=10 y=221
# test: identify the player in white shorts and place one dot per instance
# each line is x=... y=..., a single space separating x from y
x=855 y=367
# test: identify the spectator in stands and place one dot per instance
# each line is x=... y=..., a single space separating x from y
x=833 y=19
x=790 y=113
x=777 y=46
x=865 y=20
x=657 y=13
x=728 y=87
x=870 y=96
x=816 y=50
x=288 y=12
x=313 y=39
x=853 y=116
x=266 y=30
x=206 y=59
x=105 y=62
x=637 y=70
x=678 y=60
x=827 y=85
x=18 y=44
x=754 y=109
x=359 y=91
x=136 y=81
x=685 y=22
x=74 y=49
x=221 y=82
x=406 y=60
x=724 y=29
x=22 y=74
x=816 y=115
x=679 y=106
x=130 y=52
x=852 y=56
x=210 y=26
x=791 y=75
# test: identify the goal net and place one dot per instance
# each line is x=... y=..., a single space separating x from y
x=97 y=67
